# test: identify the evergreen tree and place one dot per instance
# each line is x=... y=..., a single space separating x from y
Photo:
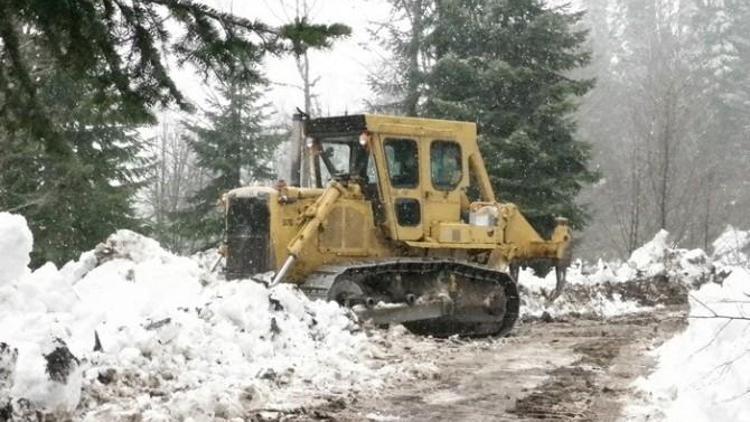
x=720 y=37
x=506 y=65
x=236 y=146
x=74 y=203
x=295 y=31
x=119 y=45
x=77 y=77
x=399 y=82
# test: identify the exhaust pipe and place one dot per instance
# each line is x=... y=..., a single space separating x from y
x=296 y=149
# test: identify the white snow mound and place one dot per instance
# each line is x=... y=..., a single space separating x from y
x=730 y=248
x=649 y=258
x=656 y=274
x=656 y=258
x=131 y=330
x=703 y=373
x=15 y=247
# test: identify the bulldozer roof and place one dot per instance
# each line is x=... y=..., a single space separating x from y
x=358 y=123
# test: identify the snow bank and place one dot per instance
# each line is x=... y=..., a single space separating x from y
x=656 y=258
x=731 y=248
x=649 y=258
x=15 y=247
x=597 y=299
x=703 y=374
x=656 y=274
x=130 y=331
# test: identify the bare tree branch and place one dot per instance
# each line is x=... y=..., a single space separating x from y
x=714 y=314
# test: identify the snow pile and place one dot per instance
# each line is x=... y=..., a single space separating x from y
x=649 y=259
x=731 y=248
x=601 y=299
x=656 y=274
x=657 y=258
x=703 y=374
x=691 y=267
x=15 y=247
x=132 y=331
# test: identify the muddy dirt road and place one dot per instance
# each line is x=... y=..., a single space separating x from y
x=575 y=369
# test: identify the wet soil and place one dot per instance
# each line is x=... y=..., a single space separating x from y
x=564 y=370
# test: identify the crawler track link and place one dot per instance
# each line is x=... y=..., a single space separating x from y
x=484 y=302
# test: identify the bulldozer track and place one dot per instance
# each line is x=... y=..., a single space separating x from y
x=319 y=284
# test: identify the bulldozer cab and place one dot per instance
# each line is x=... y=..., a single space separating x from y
x=415 y=171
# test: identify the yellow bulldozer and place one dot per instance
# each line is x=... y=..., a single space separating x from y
x=385 y=223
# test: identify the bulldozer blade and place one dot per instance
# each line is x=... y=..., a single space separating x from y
x=396 y=314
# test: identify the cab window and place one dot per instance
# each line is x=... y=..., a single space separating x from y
x=338 y=155
x=372 y=174
x=445 y=165
x=402 y=157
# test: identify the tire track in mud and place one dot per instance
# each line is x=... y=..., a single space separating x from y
x=576 y=368
x=596 y=385
x=564 y=370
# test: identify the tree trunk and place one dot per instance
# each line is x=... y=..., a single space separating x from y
x=416 y=15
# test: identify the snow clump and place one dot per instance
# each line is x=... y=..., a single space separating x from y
x=15 y=247
x=731 y=247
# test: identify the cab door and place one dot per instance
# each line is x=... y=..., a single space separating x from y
x=444 y=178
x=401 y=184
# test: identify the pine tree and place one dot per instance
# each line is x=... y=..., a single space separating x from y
x=399 y=82
x=119 y=45
x=236 y=146
x=506 y=65
x=720 y=40
x=77 y=77
x=295 y=31
x=74 y=203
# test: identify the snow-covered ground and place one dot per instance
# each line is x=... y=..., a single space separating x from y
x=131 y=330
x=703 y=374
